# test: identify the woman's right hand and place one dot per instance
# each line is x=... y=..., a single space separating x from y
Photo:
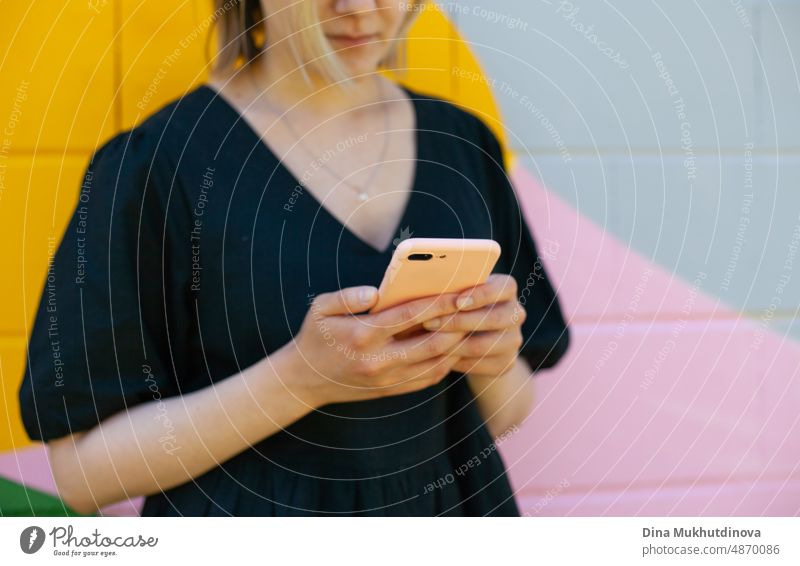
x=337 y=357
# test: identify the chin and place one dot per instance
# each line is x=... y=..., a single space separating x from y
x=361 y=67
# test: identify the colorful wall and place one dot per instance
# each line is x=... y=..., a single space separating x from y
x=655 y=150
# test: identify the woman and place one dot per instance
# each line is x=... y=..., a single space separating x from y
x=203 y=339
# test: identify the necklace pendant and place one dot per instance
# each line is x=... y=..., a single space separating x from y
x=362 y=196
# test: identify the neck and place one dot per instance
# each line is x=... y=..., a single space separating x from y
x=286 y=87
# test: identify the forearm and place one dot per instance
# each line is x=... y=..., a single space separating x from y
x=504 y=401
x=125 y=455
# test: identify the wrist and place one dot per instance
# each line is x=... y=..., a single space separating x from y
x=297 y=376
x=488 y=379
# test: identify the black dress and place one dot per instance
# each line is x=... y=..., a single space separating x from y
x=193 y=253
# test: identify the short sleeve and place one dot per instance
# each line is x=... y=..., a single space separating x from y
x=545 y=333
x=99 y=341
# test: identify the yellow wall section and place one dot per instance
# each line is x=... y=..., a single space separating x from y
x=62 y=54
x=74 y=74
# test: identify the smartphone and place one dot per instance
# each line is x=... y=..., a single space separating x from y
x=423 y=267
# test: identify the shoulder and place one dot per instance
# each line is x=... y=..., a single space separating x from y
x=145 y=163
x=136 y=171
x=477 y=143
x=154 y=141
x=449 y=117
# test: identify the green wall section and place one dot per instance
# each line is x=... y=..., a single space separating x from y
x=16 y=500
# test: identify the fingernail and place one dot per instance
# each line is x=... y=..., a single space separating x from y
x=464 y=302
x=366 y=294
x=432 y=324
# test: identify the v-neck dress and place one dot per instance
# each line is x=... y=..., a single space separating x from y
x=193 y=252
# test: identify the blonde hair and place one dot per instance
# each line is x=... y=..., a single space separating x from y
x=240 y=38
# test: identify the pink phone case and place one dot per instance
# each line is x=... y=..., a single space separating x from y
x=452 y=265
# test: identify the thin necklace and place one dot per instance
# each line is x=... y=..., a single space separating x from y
x=362 y=193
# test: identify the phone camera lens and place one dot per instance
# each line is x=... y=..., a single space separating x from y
x=420 y=257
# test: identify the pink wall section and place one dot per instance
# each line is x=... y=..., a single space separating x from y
x=667 y=402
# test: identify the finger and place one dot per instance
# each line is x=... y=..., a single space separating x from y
x=487 y=365
x=498 y=287
x=494 y=317
x=421 y=375
x=395 y=320
x=345 y=301
x=484 y=344
x=429 y=345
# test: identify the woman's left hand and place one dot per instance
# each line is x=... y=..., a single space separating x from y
x=492 y=313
